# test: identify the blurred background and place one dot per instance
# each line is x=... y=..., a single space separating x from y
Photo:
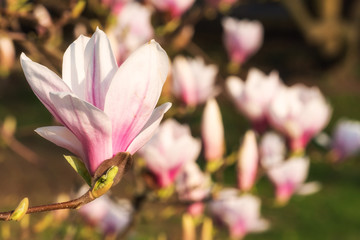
x=311 y=42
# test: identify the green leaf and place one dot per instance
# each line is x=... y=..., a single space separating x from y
x=78 y=9
x=79 y=167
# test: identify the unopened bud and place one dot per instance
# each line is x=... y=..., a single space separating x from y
x=20 y=211
x=104 y=183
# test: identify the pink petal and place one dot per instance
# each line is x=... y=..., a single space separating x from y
x=212 y=131
x=248 y=158
x=149 y=129
x=62 y=137
x=134 y=92
x=100 y=67
x=89 y=124
x=42 y=81
x=184 y=85
x=73 y=70
x=180 y=155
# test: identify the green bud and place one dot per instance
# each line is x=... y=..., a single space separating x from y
x=104 y=183
x=20 y=210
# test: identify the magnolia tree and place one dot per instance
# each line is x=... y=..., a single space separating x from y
x=117 y=87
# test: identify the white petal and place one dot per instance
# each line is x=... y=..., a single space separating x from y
x=62 y=137
x=100 y=67
x=134 y=92
x=73 y=70
x=309 y=188
x=89 y=124
x=42 y=81
x=149 y=129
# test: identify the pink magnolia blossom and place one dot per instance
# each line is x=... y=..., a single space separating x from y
x=175 y=7
x=272 y=150
x=193 y=81
x=242 y=38
x=169 y=150
x=132 y=29
x=115 y=5
x=108 y=216
x=105 y=109
x=212 y=130
x=241 y=214
x=288 y=177
x=193 y=185
x=248 y=160
x=346 y=139
x=7 y=54
x=253 y=96
x=300 y=113
x=43 y=18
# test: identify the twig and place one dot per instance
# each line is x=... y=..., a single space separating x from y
x=21 y=149
x=72 y=204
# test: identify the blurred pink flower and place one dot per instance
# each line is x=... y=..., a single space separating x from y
x=248 y=160
x=7 y=54
x=253 y=97
x=288 y=177
x=242 y=38
x=108 y=216
x=193 y=81
x=272 y=149
x=241 y=214
x=212 y=130
x=115 y=5
x=104 y=109
x=133 y=28
x=300 y=113
x=43 y=18
x=175 y=7
x=193 y=185
x=346 y=139
x=169 y=150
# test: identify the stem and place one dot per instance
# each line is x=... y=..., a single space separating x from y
x=72 y=204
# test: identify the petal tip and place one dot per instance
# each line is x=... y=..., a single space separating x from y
x=23 y=57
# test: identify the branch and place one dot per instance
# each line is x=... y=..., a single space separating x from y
x=72 y=204
x=108 y=178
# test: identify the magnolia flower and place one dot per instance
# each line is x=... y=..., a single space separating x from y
x=248 y=159
x=272 y=149
x=193 y=185
x=110 y=217
x=169 y=150
x=43 y=18
x=212 y=130
x=242 y=38
x=115 y=5
x=104 y=109
x=346 y=139
x=175 y=7
x=241 y=214
x=133 y=28
x=7 y=54
x=288 y=177
x=193 y=81
x=300 y=113
x=254 y=96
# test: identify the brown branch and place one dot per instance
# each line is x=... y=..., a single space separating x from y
x=72 y=204
x=20 y=149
